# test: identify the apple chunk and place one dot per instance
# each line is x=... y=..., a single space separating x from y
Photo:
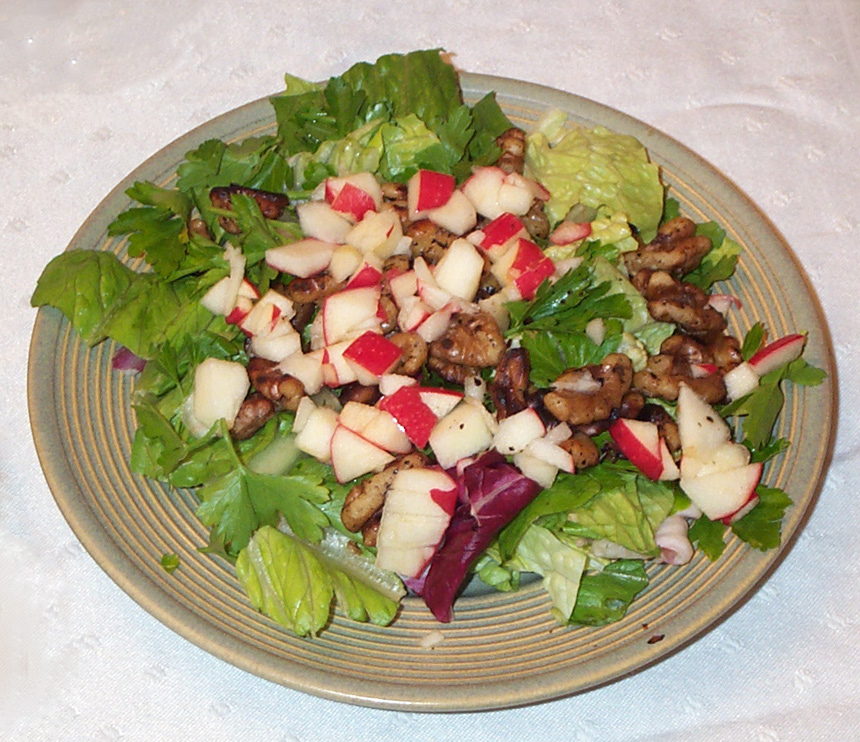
x=352 y=455
x=219 y=389
x=462 y=432
x=428 y=190
x=721 y=494
x=417 y=510
x=700 y=427
x=641 y=443
x=777 y=354
x=371 y=355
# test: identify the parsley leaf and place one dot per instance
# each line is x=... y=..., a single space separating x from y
x=760 y=528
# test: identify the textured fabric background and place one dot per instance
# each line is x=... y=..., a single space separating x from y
x=768 y=91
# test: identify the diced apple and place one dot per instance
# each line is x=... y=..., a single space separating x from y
x=353 y=202
x=540 y=471
x=378 y=233
x=303 y=412
x=403 y=285
x=337 y=371
x=440 y=401
x=219 y=389
x=434 y=326
x=411 y=413
x=670 y=472
x=306 y=368
x=551 y=453
x=345 y=311
x=220 y=299
x=700 y=427
x=248 y=290
x=777 y=354
x=482 y=189
x=413 y=311
x=639 y=441
x=743 y=510
x=568 y=232
x=240 y=310
x=418 y=508
x=352 y=455
x=514 y=197
x=462 y=432
x=368 y=273
x=372 y=355
x=595 y=330
x=496 y=237
x=741 y=380
x=727 y=456
x=315 y=437
x=278 y=344
x=458 y=215
x=365 y=181
x=345 y=261
x=721 y=494
x=374 y=425
x=529 y=269
x=702 y=370
x=428 y=190
x=267 y=314
x=390 y=383
x=459 y=270
x=319 y=221
x=724 y=302
x=517 y=431
x=303 y=258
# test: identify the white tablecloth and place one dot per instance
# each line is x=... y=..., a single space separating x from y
x=767 y=90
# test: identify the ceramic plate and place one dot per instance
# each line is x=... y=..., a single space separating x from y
x=501 y=650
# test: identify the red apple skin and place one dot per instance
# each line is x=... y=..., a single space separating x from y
x=777 y=354
x=501 y=229
x=568 y=232
x=434 y=189
x=373 y=352
x=649 y=462
x=445 y=499
x=354 y=201
x=415 y=417
x=367 y=275
x=530 y=268
x=745 y=508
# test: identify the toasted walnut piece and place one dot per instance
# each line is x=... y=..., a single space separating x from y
x=312 y=289
x=253 y=414
x=588 y=394
x=511 y=383
x=536 y=221
x=283 y=390
x=513 y=145
x=676 y=249
x=584 y=450
x=356 y=392
x=472 y=340
x=429 y=240
x=684 y=304
x=364 y=500
x=414 y=355
x=654 y=413
x=272 y=205
x=662 y=378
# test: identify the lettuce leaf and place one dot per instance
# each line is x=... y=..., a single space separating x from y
x=596 y=168
x=560 y=564
x=295 y=583
x=605 y=597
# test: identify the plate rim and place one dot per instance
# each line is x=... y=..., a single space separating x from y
x=128 y=575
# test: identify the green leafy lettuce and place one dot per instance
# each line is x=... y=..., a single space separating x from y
x=597 y=168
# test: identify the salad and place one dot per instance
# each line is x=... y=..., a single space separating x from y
x=401 y=344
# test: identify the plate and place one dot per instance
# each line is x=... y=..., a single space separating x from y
x=502 y=650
